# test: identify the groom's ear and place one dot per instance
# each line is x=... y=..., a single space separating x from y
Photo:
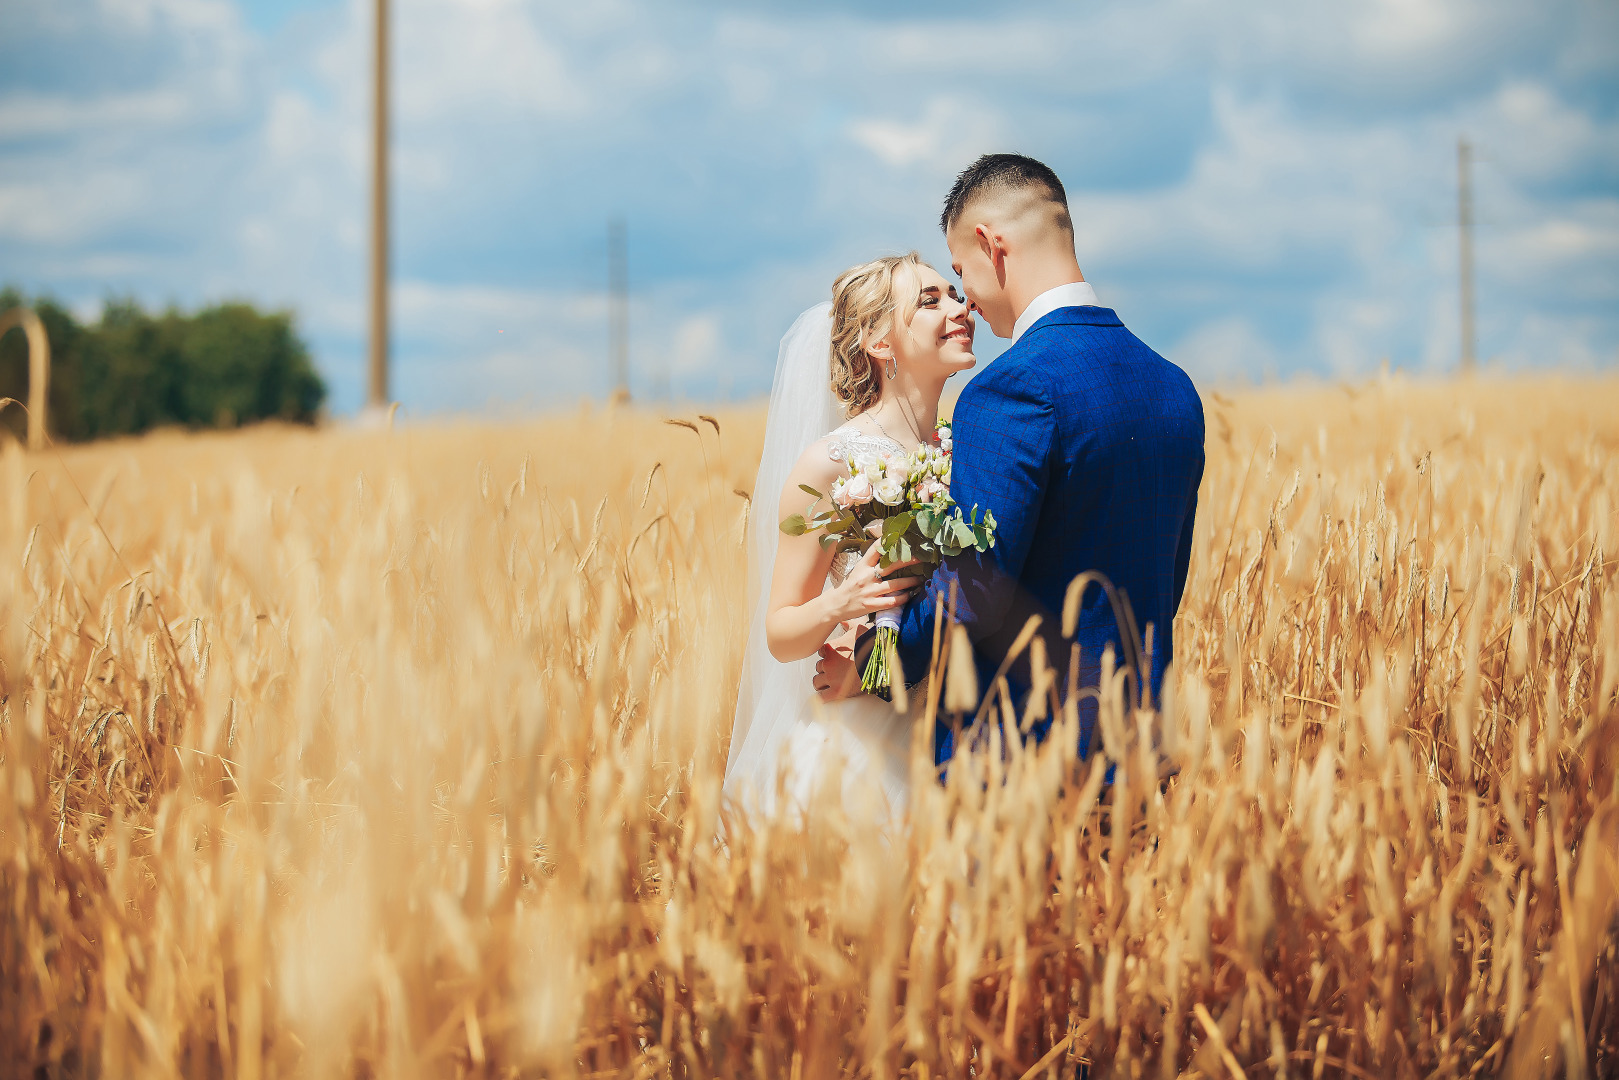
x=993 y=247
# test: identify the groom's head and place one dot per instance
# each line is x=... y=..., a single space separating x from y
x=1006 y=221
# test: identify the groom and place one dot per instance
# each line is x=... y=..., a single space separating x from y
x=1086 y=445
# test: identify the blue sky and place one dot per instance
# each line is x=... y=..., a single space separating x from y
x=1260 y=189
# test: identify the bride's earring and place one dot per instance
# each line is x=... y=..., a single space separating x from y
x=893 y=367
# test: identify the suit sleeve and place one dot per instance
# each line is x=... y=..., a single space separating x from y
x=1004 y=431
x=1183 y=553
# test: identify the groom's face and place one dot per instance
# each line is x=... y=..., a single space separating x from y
x=972 y=257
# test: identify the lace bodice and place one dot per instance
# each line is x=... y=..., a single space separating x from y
x=849 y=443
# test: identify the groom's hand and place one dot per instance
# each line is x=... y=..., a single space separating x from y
x=836 y=675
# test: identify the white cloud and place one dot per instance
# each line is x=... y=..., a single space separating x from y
x=1349 y=333
x=1268 y=187
x=1225 y=352
x=933 y=140
x=1402 y=27
x=41 y=212
x=695 y=345
x=458 y=58
x=28 y=114
x=454 y=313
x=192 y=15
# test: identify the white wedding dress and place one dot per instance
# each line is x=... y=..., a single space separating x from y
x=782 y=729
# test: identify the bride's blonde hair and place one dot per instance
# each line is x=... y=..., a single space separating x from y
x=863 y=310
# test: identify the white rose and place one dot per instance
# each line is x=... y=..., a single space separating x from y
x=888 y=491
x=946 y=443
x=944 y=434
x=857 y=490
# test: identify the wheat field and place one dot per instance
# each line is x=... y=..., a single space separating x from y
x=398 y=754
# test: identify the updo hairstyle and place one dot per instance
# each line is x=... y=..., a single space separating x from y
x=863 y=310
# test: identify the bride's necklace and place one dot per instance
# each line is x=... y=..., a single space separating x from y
x=886 y=435
x=910 y=420
x=884 y=430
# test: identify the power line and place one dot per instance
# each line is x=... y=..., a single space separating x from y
x=618 y=306
x=1464 y=222
x=377 y=390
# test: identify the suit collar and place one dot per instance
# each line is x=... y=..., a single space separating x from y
x=1074 y=316
x=1070 y=294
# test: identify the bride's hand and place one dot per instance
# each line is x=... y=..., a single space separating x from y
x=868 y=588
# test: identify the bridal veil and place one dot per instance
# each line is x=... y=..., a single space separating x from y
x=774 y=697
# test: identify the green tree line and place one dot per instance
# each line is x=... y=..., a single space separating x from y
x=130 y=371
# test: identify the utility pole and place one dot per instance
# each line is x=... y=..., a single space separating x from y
x=618 y=307
x=377 y=389
x=1464 y=223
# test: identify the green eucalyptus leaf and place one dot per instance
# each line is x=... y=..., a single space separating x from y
x=895 y=526
x=810 y=491
x=795 y=525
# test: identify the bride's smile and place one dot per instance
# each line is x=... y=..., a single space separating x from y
x=942 y=326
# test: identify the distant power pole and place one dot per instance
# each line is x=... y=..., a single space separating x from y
x=377 y=390
x=618 y=307
x=1464 y=222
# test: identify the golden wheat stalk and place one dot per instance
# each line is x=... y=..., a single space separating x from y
x=342 y=752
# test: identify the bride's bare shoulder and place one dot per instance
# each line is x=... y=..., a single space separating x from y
x=816 y=467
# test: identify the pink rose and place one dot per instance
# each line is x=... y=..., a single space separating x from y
x=857 y=490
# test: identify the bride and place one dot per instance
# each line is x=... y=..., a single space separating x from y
x=856 y=379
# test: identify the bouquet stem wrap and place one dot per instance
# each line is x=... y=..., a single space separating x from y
x=878 y=677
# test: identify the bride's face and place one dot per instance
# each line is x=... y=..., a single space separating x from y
x=938 y=340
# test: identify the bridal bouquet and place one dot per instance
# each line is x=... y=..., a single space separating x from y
x=902 y=501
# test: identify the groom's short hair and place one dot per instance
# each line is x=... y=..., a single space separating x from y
x=997 y=173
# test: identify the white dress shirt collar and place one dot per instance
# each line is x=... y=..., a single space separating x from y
x=1073 y=294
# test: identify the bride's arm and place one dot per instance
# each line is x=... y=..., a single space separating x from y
x=803 y=612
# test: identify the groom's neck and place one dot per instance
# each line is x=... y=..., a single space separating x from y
x=1036 y=273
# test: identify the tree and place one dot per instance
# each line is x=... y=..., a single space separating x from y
x=225 y=365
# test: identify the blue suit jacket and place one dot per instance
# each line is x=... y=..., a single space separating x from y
x=1088 y=448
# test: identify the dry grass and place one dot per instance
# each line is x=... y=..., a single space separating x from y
x=346 y=753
